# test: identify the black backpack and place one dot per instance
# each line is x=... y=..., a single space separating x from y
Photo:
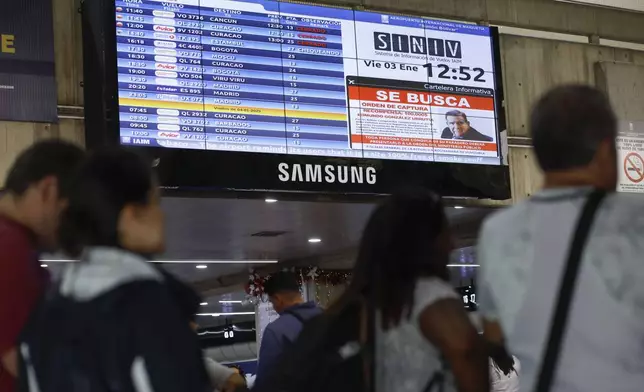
x=332 y=355
x=97 y=345
x=326 y=356
x=59 y=328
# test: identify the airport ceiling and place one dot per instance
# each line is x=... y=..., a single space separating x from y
x=230 y=231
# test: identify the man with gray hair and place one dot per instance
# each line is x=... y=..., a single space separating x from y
x=523 y=252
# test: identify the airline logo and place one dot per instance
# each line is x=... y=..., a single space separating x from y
x=167 y=82
x=168 y=97
x=119 y=9
x=168 y=120
x=165 y=29
x=119 y=16
x=165 y=36
x=119 y=24
x=168 y=135
x=167 y=112
x=163 y=21
x=163 y=14
x=165 y=44
x=168 y=127
x=165 y=52
x=165 y=59
x=166 y=67
x=166 y=74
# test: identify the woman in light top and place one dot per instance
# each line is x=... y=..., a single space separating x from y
x=402 y=270
x=504 y=370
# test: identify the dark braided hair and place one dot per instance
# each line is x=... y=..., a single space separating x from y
x=405 y=239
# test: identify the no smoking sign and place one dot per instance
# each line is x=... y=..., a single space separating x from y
x=634 y=167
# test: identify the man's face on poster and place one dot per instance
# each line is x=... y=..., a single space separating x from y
x=458 y=125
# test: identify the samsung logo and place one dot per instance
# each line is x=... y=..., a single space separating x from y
x=330 y=174
x=402 y=43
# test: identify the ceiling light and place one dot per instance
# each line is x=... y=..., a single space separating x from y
x=227 y=314
x=215 y=261
x=315 y=240
x=44 y=265
x=202 y=266
x=230 y=302
x=203 y=303
x=458 y=207
x=179 y=261
x=58 y=261
x=462 y=265
x=271 y=200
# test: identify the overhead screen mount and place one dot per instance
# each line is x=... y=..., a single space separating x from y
x=289 y=97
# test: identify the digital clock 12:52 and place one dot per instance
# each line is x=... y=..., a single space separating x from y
x=444 y=71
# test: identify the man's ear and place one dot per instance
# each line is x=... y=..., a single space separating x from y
x=48 y=188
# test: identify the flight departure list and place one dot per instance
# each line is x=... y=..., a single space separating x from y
x=289 y=78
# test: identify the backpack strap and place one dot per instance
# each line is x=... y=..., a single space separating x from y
x=567 y=290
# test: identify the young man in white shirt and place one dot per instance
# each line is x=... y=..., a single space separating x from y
x=523 y=249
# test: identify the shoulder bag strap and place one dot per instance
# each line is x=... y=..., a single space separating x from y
x=566 y=291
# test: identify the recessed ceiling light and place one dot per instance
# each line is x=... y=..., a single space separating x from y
x=44 y=265
x=315 y=240
x=458 y=207
x=230 y=302
x=202 y=266
x=203 y=303
x=271 y=200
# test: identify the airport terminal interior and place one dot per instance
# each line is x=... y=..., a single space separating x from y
x=276 y=127
x=219 y=245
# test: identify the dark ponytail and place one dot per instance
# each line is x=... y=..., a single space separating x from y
x=501 y=358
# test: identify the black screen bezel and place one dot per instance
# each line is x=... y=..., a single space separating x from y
x=216 y=172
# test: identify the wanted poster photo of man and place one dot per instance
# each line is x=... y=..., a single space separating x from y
x=459 y=128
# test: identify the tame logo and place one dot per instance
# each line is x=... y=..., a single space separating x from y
x=402 y=43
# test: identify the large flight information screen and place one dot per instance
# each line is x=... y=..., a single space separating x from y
x=285 y=78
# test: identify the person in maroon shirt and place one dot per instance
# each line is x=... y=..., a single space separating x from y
x=33 y=198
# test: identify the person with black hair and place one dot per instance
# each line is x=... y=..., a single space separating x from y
x=524 y=251
x=504 y=370
x=402 y=271
x=114 y=321
x=35 y=193
x=283 y=292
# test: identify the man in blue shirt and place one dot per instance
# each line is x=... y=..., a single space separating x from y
x=284 y=294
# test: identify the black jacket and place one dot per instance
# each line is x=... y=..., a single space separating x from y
x=114 y=323
x=471 y=134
